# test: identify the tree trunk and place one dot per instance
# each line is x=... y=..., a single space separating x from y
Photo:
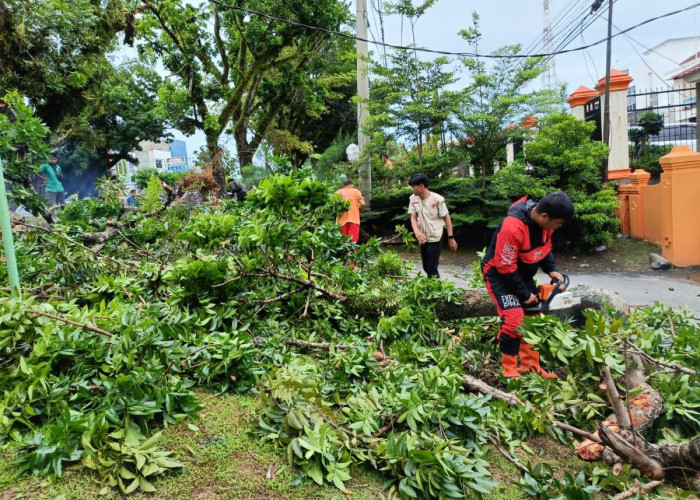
x=620 y=433
x=217 y=164
x=476 y=302
x=420 y=147
x=245 y=154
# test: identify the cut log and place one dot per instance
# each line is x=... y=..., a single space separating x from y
x=641 y=411
x=476 y=302
x=621 y=439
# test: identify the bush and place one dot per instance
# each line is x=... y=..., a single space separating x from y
x=594 y=222
x=648 y=159
x=143 y=175
x=203 y=182
x=391 y=263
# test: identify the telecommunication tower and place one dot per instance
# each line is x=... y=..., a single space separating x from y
x=550 y=74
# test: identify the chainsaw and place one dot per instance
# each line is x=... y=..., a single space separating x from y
x=553 y=298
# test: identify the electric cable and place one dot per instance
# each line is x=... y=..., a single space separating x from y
x=448 y=53
x=569 y=13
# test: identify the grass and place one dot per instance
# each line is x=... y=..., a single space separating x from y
x=224 y=458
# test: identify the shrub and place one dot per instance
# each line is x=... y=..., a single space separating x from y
x=594 y=222
x=648 y=159
x=143 y=175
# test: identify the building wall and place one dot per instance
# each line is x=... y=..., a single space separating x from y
x=150 y=152
x=665 y=59
x=178 y=149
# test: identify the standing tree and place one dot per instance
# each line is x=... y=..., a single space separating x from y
x=649 y=123
x=410 y=97
x=495 y=99
x=54 y=52
x=320 y=102
x=22 y=146
x=222 y=55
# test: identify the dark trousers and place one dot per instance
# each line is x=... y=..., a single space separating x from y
x=430 y=255
x=55 y=198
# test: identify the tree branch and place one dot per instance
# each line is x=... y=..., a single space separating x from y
x=74 y=323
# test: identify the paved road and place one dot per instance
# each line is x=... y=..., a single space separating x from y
x=638 y=289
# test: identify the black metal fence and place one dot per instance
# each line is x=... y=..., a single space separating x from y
x=592 y=112
x=678 y=108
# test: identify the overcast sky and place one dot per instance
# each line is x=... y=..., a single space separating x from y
x=521 y=21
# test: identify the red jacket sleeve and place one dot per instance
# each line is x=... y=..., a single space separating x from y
x=509 y=241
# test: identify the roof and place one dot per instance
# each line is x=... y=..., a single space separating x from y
x=658 y=45
x=686 y=72
x=691 y=58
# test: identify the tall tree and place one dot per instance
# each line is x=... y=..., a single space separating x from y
x=410 y=97
x=53 y=50
x=121 y=110
x=56 y=54
x=320 y=102
x=221 y=56
x=496 y=98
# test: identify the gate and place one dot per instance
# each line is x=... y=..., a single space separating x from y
x=591 y=112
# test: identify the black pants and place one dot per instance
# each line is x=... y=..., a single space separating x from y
x=55 y=198
x=430 y=255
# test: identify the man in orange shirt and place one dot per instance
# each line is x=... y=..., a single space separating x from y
x=350 y=221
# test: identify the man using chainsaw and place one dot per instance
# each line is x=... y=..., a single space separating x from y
x=521 y=244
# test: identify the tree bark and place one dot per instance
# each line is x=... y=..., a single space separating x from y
x=217 y=164
x=620 y=438
x=476 y=302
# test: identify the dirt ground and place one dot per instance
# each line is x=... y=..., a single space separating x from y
x=623 y=256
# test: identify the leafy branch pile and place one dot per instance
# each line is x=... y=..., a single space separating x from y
x=125 y=312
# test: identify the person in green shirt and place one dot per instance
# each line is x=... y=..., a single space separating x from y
x=51 y=173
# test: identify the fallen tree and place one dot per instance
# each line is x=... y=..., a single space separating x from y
x=618 y=438
x=621 y=433
x=476 y=302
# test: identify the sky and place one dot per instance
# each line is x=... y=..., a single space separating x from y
x=521 y=21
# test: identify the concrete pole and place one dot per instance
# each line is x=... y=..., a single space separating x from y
x=7 y=239
x=606 y=109
x=365 y=168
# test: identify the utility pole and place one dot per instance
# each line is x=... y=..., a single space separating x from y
x=606 y=107
x=365 y=168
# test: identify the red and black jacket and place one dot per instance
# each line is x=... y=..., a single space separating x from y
x=518 y=247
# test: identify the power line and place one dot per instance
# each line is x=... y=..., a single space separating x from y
x=584 y=25
x=586 y=53
x=652 y=50
x=444 y=52
x=564 y=18
x=661 y=78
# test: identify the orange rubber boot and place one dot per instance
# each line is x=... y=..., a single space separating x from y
x=509 y=362
x=530 y=361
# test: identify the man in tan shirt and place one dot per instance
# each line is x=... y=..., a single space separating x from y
x=350 y=221
x=429 y=216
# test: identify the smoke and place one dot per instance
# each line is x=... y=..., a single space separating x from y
x=81 y=178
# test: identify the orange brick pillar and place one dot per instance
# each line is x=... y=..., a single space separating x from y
x=619 y=158
x=681 y=178
x=631 y=209
x=578 y=99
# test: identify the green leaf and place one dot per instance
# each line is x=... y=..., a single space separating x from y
x=145 y=485
x=315 y=473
